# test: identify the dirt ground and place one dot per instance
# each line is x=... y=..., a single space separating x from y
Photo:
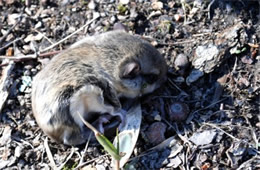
x=206 y=116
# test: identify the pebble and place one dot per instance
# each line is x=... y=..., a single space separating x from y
x=92 y=5
x=124 y=2
x=120 y=26
x=155 y=133
x=203 y=138
x=206 y=57
x=12 y=18
x=157 y=5
x=174 y=162
x=133 y=13
x=96 y=14
x=112 y=19
x=181 y=61
x=18 y=151
x=194 y=76
x=100 y=167
x=27 y=73
x=122 y=18
x=38 y=25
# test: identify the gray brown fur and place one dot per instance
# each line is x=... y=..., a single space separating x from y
x=89 y=78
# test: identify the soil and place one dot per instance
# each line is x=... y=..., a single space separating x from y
x=206 y=116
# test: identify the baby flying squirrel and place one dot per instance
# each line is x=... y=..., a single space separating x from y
x=89 y=78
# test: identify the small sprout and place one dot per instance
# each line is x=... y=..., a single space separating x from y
x=238 y=51
x=107 y=145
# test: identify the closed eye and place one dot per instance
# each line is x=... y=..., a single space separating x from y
x=150 y=78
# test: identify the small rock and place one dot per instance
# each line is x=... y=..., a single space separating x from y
x=12 y=18
x=203 y=138
x=6 y=135
x=92 y=5
x=4 y=163
x=100 y=167
x=28 y=11
x=174 y=162
x=133 y=13
x=96 y=14
x=74 y=9
x=32 y=37
x=9 y=2
x=157 y=5
x=243 y=81
x=122 y=18
x=26 y=82
x=45 y=2
x=179 y=79
x=34 y=71
x=124 y=2
x=120 y=26
x=157 y=118
x=194 y=76
x=206 y=57
x=89 y=167
x=181 y=61
x=18 y=151
x=154 y=43
x=155 y=133
x=154 y=14
x=175 y=149
x=239 y=148
x=27 y=73
x=178 y=17
x=247 y=60
x=112 y=19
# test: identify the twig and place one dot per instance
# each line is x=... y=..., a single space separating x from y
x=10 y=43
x=85 y=163
x=166 y=97
x=84 y=152
x=47 y=54
x=243 y=165
x=216 y=127
x=49 y=154
x=209 y=106
x=235 y=67
x=9 y=30
x=160 y=146
x=186 y=157
x=177 y=42
x=67 y=159
x=183 y=138
x=43 y=35
x=20 y=58
x=252 y=131
x=233 y=137
x=210 y=4
x=80 y=29
x=5 y=84
x=253 y=45
x=173 y=84
x=24 y=142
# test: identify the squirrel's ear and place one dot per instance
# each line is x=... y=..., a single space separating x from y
x=131 y=70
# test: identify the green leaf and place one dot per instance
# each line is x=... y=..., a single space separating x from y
x=108 y=146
